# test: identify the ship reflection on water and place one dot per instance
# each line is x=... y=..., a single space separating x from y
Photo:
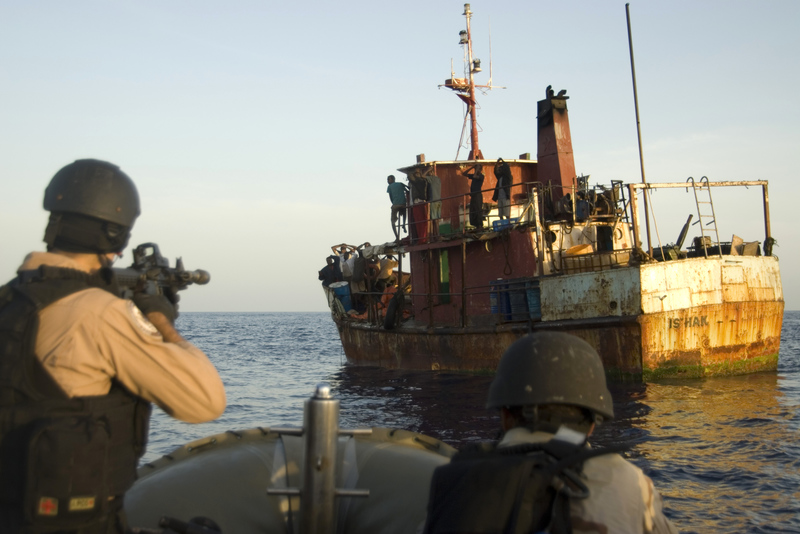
x=723 y=452
x=447 y=406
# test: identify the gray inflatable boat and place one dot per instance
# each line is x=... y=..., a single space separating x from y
x=318 y=478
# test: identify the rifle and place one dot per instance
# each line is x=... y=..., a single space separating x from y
x=151 y=274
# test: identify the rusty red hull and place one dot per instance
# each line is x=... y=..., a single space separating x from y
x=704 y=341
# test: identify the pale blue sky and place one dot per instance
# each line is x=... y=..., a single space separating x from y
x=260 y=133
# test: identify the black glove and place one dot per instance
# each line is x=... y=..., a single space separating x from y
x=172 y=295
x=156 y=303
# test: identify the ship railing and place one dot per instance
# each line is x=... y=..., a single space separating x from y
x=504 y=301
x=706 y=217
x=569 y=204
x=427 y=229
x=596 y=261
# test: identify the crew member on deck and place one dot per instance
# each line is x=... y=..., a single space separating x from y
x=476 y=178
x=502 y=191
x=435 y=197
x=397 y=194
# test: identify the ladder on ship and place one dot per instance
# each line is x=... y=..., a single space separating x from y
x=706 y=217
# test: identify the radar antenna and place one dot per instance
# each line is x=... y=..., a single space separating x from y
x=465 y=87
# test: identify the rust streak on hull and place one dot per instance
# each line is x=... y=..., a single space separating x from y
x=730 y=338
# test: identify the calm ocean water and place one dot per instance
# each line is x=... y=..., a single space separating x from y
x=724 y=453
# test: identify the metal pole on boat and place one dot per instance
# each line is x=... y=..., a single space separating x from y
x=430 y=288
x=634 y=205
x=463 y=283
x=321 y=427
x=768 y=238
x=539 y=231
x=320 y=439
x=639 y=132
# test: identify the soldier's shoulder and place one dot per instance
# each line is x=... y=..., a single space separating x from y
x=614 y=467
x=94 y=296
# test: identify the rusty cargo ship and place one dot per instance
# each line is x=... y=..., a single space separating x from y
x=478 y=270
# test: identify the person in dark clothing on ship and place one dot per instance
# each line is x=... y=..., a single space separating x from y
x=502 y=192
x=476 y=178
x=419 y=187
x=331 y=272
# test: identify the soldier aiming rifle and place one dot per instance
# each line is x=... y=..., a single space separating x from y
x=79 y=365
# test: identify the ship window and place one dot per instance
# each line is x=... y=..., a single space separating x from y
x=605 y=239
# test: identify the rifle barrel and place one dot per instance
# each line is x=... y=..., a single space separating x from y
x=196 y=277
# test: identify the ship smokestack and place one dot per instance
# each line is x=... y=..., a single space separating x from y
x=556 y=165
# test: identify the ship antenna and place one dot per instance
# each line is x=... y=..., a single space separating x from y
x=490 y=53
x=465 y=87
x=475 y=151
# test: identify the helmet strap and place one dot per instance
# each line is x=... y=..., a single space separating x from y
x=52 y=230
x=72 y=232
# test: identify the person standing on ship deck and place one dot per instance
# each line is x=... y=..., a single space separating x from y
x=397 y=194
x=419 y=206
x=502 y=191
x=476 y=177
x=435 y=196
x=80 y=366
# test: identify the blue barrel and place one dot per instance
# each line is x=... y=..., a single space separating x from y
x=517 y=300
x=498 y=299
x=496 y=295
x=534 y=300
x=342 y=292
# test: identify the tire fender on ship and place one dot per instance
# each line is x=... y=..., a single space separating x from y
x=390 y=320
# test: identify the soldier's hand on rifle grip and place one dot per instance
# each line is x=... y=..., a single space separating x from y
x=173 y=296
x=156 y=303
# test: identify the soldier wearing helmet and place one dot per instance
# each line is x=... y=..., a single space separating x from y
x=551 y=391
x=79 y=366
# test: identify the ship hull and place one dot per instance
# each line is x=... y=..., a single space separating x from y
x=683 y=319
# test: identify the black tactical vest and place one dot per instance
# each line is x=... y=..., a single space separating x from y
x=61 y=459
x=513 y=490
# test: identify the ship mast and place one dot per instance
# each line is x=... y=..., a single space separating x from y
x=475 y=151
x=465 y=87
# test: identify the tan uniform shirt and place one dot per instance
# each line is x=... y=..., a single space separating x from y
x=88 y=338
x=622 y=498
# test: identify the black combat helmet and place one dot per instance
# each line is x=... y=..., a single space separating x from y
x=551 y=368
x=93 y=206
